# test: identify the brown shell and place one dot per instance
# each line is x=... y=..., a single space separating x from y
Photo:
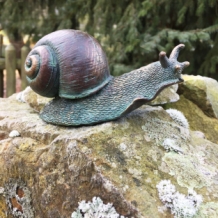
x=83 y=66
x=42 y=71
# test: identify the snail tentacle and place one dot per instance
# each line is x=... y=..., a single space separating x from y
x=164 y=59
x=175 y=52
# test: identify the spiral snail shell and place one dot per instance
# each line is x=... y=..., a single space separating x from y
x=71 y=66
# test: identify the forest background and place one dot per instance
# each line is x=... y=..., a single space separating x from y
x=131 y=32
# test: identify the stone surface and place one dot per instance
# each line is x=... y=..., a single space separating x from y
x=121 y=162
x=203 y=92
x=37 y=102
x=198 y=120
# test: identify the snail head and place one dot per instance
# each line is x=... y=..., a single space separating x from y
x=172 y=63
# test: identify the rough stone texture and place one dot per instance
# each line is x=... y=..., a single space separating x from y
x=120 y=161
x=37 y=102
x=203 y=92
x=198 y=120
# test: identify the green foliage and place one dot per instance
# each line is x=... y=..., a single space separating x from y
x=132 y=32
x=37 y=18
x=143 y=28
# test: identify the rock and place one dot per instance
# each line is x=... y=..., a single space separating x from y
x=203 y=92
x=37 y=102
x=168 y=95
x=3 y=135
x=198 y=120
x=52 y=168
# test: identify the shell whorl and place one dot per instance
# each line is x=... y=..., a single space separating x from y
x=42 y=71
x=82 y=64
x=32 y=66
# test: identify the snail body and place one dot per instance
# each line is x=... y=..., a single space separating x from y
x=85 y=92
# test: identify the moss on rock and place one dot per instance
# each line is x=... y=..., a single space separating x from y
x=198 y=121
x=202 y=91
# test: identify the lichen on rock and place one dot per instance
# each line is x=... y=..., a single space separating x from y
x=178 y=117
x=95 y=209
x=171 y=135
x=120 y=162
x=18 y=199
x=179 y=204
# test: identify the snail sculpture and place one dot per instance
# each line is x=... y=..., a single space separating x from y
x=71 y=66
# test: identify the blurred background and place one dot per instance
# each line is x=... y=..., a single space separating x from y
x=131 y=32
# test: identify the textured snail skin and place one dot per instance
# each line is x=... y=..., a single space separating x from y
x=119 y=96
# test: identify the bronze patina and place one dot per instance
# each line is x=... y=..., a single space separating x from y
x=71 y=66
